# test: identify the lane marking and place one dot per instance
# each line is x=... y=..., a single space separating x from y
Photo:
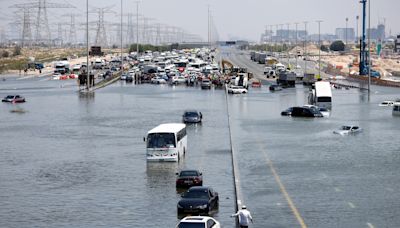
x=351 y=205
x=283 y=189
x=370 y=225
x=390 y=189
x=338 y=189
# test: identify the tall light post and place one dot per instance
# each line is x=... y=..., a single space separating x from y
x=208 y=26
x=357 y=18
x=288 y=32
x=305 y=47
x=137 y=28
x=87 y=47
x=369 y=49
x=296 y=42
x=122 y=59
x=319 y=47
x=270 y=43
x=276 y=40
x=347 y=20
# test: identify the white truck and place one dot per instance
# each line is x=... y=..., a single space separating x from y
x=98 y=64
x=321 y=95
x=62 y=67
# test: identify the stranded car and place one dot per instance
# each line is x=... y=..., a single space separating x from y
x=199 y=200
x=305 y=112
x=287 y=112
x=347 y=130
x=206 y=84
x=188 y=178
x=236 y=89
x=192 y=116
x=14 y=99
x=198 y=222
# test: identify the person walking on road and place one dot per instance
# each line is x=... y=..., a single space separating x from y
x=244 y=217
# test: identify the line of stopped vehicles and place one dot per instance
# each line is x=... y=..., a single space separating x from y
x=198 y=203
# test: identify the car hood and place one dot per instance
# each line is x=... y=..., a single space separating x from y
x=186 y=203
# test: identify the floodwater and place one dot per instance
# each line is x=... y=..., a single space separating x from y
x=71 y=160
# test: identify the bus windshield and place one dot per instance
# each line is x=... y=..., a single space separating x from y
x=161 y=140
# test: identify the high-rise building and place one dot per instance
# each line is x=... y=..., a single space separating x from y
x=377 y=33
x=341 y=34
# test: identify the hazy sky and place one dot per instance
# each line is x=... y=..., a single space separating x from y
x=235 y=18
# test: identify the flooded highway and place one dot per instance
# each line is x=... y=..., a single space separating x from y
x=70 y=160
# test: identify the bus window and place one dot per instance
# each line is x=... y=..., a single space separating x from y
x=161 y=140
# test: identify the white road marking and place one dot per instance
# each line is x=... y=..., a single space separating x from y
x=370 y=225
x=351 y=205
x=337 y=189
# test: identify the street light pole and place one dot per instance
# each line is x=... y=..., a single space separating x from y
x=319 y=48
x=137 y=28
x=296 y=42
x=347 y=19
x=271 y=33
x=305 y=47
x=369 y=49
x=357 y=17
x=287 y=51
x=87 y=47
x=208 y=26
x=122 y=59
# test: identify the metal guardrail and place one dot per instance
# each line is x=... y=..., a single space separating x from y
x=235 y=170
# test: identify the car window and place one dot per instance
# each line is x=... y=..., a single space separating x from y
x=188 y=173
x=191 y=225
x=210 y=223
x=196 y=194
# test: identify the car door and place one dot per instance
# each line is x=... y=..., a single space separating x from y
x=211 y=194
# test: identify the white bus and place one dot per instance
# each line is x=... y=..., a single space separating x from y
x=166 y=142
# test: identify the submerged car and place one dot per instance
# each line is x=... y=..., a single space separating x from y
x=129 y=78
x=206 y=84
x=14 y=99
x=236 y=89
x=287 y=112
x=188 y=178
x=192 y=116
x=198 y=222
x=305 y=112
x=386 y=103
x=324 y=111
x=348 y=129
x=275 y=88
x=198 y=200
x=158 y=80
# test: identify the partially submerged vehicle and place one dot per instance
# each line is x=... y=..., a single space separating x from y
x=348 y=129
x=13 y=99
x=386 y=103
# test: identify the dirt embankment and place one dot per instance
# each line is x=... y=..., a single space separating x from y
x=13 y=64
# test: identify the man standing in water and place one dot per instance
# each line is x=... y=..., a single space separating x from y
x=244 y=217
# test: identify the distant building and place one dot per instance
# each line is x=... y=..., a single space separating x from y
x=282 y=35
x=290 y=34
x=341 y=34
x=377 y=33
x=397 y=44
